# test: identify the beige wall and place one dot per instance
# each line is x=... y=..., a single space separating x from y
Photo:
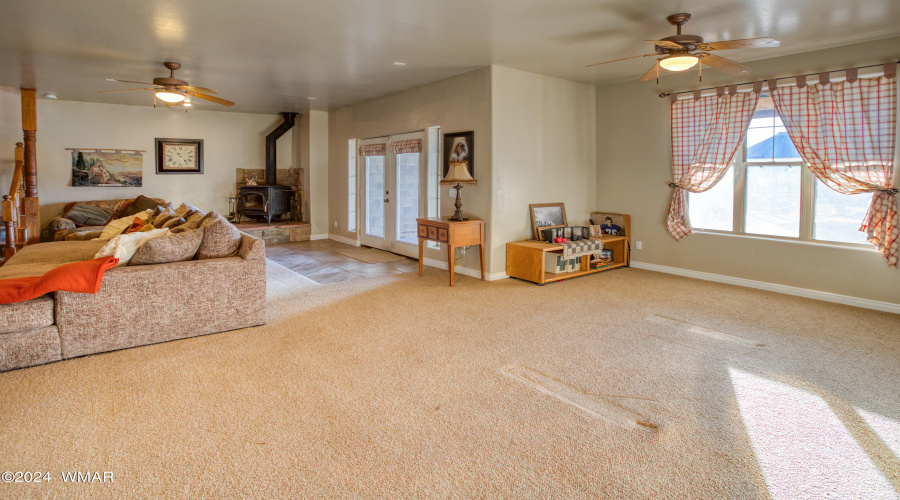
x=313 y=153
x=634 y=168
x=10 y=134
x=544 y=151
x=231 y=140
x=455 y=104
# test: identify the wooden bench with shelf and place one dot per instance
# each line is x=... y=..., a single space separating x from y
x=525 y=259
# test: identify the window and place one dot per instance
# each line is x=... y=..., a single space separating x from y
x=769 y=191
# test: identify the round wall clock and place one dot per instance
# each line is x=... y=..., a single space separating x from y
x=179 y=156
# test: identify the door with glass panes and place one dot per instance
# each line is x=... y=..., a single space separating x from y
x=392 y=173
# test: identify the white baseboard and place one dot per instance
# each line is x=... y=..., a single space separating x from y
x=341 y=239
x=772 y=287
x=475 y=273
x=318 y=236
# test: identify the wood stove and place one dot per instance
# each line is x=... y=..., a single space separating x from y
x=270 y=200
x=265 y=201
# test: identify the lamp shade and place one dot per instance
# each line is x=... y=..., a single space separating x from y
x=458 y=173
x=678 y=63
x=169 y=96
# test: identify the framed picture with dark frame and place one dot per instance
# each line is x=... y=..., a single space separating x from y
x=179 y=156
x=459 y=146
x=547 y=215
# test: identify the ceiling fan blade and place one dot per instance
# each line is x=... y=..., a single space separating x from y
x=198 y=89
x=622 y=59
x=128 y=90
x=747 y=43
x=129 y=81
x=723 y=64
x=214 y=99
x=665 y=43
x=651 y=74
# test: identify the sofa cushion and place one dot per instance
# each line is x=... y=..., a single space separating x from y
x=140 y=204
x=220 y=239
x=118 y=226
x=29 y=348
x=83 y=214
x=29 y=315
x=124 y=246
x=56 y=252
x=172 y=248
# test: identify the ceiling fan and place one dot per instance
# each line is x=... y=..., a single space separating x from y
x=172 y=91
x=682 y=52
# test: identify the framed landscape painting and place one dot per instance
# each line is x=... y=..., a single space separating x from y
x=107 y=169
x=547 y=215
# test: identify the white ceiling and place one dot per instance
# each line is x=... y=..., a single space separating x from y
x=270 y=55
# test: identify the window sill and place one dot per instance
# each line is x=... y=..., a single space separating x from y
x=829 y=244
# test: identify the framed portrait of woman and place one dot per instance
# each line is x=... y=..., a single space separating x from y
x=459 y=146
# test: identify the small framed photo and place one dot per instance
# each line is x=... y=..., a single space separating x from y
x=179 y=156
x=459 y=146
x=547 y=215
x=604 y=258
x=596 y=231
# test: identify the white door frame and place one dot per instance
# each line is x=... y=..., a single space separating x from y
x=389 y=241
x=373 y=240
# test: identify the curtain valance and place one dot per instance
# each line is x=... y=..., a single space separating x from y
x=407 y=146
x=373 y=149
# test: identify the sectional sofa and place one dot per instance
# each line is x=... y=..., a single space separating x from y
x=136 y=305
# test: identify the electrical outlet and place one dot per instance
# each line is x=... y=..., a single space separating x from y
x=335 y=223
x=638 y=245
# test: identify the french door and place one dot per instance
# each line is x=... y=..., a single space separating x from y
x=393 y=193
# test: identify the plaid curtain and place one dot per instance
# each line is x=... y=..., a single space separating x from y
x=407 y=146
x=706 y=132
x=845 y=133
x=373 y=149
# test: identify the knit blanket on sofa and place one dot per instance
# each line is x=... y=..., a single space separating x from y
x=83 y=277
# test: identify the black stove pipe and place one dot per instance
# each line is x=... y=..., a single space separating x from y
x=273 y=136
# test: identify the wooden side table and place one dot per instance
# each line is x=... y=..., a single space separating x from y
x=453 y=233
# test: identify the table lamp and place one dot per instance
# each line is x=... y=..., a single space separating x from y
x=458 y=174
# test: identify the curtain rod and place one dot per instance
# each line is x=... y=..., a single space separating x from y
x=663 y=95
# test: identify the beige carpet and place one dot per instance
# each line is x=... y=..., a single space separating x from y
x=624 y=384
x=371 y=255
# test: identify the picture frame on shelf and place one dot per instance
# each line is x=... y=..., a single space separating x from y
x=547 y=216
x=596 y=231
x=179 y=156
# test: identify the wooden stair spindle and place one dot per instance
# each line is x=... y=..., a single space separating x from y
x=11 y=209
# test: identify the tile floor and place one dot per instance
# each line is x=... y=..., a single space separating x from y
x=320 y=261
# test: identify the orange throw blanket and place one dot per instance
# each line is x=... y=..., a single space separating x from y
x=83 y=277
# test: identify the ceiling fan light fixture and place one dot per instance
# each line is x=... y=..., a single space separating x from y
x=679 y=62
x=165 y=95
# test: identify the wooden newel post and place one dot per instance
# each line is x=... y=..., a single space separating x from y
x=30 y=205
x=29 y=131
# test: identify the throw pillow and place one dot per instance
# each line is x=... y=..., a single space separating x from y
x=220 y=239
x=116 y=227
x=163 y=217
x=192 y=222
x=136 y=226
x=210 y=218
x=83 y=214
x=172 y=248
x=183 y=209
x=140 y=204
x=174 y=222
x=124 y=246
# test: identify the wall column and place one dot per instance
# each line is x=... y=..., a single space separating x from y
x=30 y=204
